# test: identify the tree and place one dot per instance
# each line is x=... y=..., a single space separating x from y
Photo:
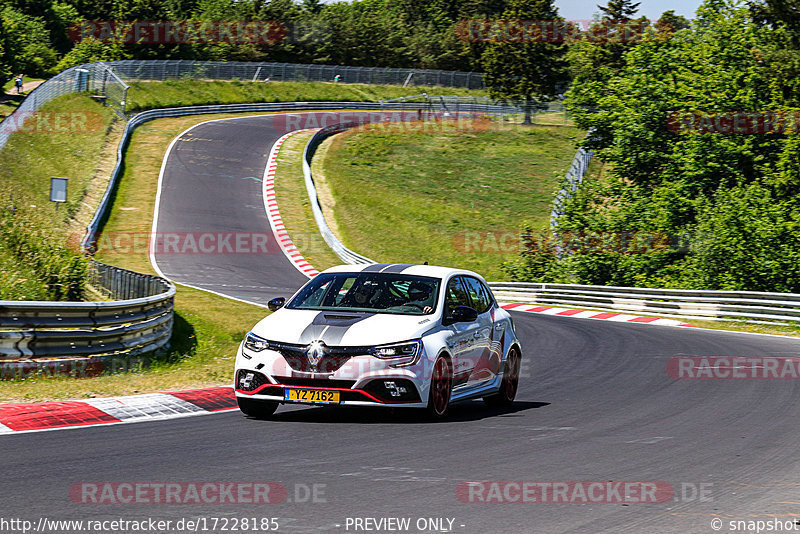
x=528 y=69
x=672 y=22
x=619 y=10
x=736 y=198
x=778 y=12
x=27 y=44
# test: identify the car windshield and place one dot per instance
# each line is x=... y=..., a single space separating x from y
x=369 y=292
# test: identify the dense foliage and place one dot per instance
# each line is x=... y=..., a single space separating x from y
x=724 y=206
x=35 y=36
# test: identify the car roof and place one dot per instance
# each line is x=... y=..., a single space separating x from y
x=434 y=271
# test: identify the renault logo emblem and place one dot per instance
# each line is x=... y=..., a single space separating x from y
x=315 y=352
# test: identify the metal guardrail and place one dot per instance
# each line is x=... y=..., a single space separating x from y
x=344 y=253
x=36 y=330
x=684 y=303
x=572 y=180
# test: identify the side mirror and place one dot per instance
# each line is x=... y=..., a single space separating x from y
x=276 y=303
x=462 y=314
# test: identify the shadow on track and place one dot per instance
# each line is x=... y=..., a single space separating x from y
x=468 y=411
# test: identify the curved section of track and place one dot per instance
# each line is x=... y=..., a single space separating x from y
x=595 y=404
x=211 y=185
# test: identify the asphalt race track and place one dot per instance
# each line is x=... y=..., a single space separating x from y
x=595 y=404
x=212 y=184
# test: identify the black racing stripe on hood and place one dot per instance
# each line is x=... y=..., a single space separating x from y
x=337 y=324
x=376 y=267
x=397 y=268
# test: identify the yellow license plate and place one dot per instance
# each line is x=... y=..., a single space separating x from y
x=312 y=395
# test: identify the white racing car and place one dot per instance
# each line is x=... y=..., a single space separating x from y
x=393 y=335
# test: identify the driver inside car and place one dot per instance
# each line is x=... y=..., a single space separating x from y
x=420 y=296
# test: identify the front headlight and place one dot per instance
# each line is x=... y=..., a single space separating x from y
x=404 y=353
x=255 y=343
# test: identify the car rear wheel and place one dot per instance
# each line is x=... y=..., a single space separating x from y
x=510 y=384
x=440 y=390
x=259 y=409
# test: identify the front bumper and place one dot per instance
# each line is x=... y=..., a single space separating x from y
x=376 y=391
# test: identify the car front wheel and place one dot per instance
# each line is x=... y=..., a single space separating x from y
x=440 y=390
x=256 y=408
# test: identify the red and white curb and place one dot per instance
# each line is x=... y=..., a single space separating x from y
x=586 y=314
x=41 y=416
x=274 y=215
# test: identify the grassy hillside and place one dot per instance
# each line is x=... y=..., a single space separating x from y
x=447 y=197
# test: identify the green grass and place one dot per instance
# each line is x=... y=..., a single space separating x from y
x=19 y=281
x=10 y=102
x=187 y=92
x=208 y=328
x=69 y=148
x=66 y=139
x=454 y=198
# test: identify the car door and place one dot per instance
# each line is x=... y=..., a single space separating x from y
x=462 y=342
x=486 y=354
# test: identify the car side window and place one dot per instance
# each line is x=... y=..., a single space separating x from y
x=457 y=294
x=478 y=293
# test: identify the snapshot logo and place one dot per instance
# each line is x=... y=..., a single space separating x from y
x=734 y=122
x=508 y=242
x=565 y=492
x=551 y=31
x=52 y=122
x=733 y=368
x=178 y=31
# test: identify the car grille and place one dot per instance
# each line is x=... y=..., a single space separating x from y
x=314 y=382
x=295 y=356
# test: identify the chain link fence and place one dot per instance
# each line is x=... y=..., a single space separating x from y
x=291 y=72
x=94 y=77
x=109 y=81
